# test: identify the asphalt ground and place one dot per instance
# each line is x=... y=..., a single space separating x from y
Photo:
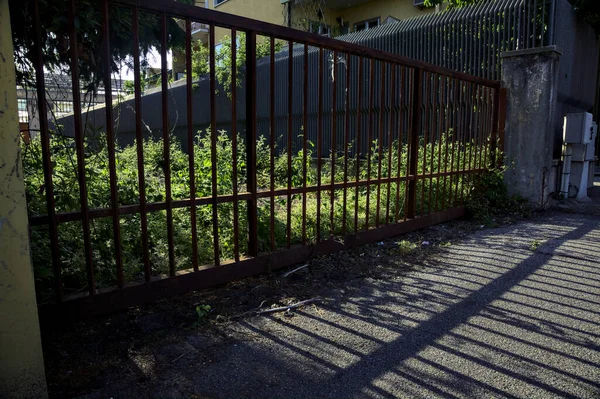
x=508 y=312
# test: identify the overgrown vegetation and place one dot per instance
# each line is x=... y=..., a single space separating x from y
x=432 y=195
x=224 y=59
x=489 y=199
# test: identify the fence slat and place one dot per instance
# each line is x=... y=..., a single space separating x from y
x=166 y=133
x=234 y=145
x=380 y=91
x=251 y=142
x=139 y=140
x=46 y=156
x=110 y=141
x=79 y=144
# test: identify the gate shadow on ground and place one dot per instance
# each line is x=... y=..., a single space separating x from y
x=488 y=318
x=478 y=325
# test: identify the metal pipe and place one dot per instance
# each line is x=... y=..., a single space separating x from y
x=566 y=170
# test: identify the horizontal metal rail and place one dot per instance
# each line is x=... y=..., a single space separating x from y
x=391 y=144
x=243 y=24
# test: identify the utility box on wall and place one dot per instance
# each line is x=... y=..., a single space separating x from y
x=579 y=138
x=578 y=128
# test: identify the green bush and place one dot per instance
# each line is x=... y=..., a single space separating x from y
x=489 y=198
x=362 y=200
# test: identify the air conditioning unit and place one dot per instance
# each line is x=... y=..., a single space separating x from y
x=419 y=4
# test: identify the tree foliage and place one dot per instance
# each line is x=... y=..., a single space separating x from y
x=224 y=59
x=55 y=23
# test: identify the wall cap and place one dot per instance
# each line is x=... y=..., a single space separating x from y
x=532 y=51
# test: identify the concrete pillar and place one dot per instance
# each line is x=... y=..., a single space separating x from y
x=531 y=79
x=21 y=362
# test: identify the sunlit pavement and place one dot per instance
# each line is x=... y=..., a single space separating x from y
x=510 y=312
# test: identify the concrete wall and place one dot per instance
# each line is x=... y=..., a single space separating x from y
x=21 y=362
x=531 y=80
x=577 y=79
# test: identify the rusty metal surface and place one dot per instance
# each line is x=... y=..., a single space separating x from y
x=378 y=105
x=136 y=293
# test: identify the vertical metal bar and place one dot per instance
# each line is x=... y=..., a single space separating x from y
x=551 y=23
x=400 y=144
x=459 y=137
x=528 y=24
x=140 y=144
x=319 y=142
x=476 y=126
x=79 y=143
x=447 y=108
x=488 y=122
x=466 y=138
x=390 y=139
x=380 y=140
x=110 y=139
x=289 y=141
x=439 y=132
x=234 y=145
x=483 y=126
x=534 y=27
x=427 y=125
x=213 y=143
x=272 y=141
x=304 y=142
x=166 y=139
x=346 y=143
x=190 y=132
x=454 y=86
x=414 y=131
x=499 y=154
x=251 y=142
x=333 y=142
x=543 y=24
x=435 y=122
x=469 y=126
x=46 y=157
x=370 y=138
x=358 y=134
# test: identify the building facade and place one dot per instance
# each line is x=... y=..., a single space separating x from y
x=327 y=17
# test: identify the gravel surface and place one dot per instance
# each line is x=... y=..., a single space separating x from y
x=509 y=312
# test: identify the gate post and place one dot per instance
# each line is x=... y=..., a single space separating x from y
x=21 y=360
x=531 y=79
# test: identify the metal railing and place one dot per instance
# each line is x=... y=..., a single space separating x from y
x=468 y=39
x=407 y=140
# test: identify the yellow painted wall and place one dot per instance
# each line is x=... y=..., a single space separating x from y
x=21 y=362
x=399 y=9
x=271 y=11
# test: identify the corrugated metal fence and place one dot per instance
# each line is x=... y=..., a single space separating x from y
x=468 y=40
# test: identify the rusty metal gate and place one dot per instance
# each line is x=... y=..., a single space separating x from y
x=407 y=140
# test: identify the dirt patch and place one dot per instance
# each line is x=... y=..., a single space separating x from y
x=131 y=348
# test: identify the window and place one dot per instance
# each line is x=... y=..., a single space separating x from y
x=319 y=28
x=217 y=2
x=364 y=25
x=23 y=113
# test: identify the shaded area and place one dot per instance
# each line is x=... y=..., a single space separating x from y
x=510 y=312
